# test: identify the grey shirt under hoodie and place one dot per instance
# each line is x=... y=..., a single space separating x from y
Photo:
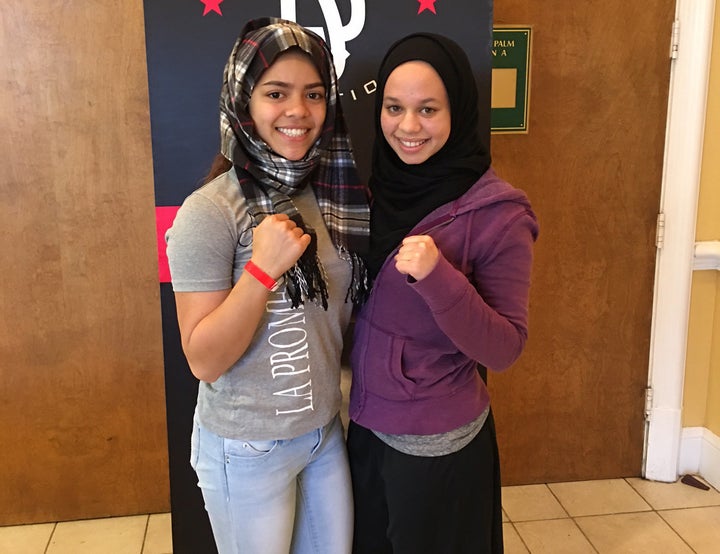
x=287 y=383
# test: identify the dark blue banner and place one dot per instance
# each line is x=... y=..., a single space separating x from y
x=188 y=42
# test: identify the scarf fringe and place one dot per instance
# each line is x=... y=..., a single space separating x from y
x=307 y=280
x=359 y=289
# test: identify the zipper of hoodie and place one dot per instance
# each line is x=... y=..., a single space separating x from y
x=431 y=226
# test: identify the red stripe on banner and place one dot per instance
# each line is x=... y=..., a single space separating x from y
x=164 y=217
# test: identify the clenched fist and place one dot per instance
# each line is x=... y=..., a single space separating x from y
x=277 y=244
x=417 y=256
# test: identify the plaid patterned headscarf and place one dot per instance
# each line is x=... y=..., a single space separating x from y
x=269 y=181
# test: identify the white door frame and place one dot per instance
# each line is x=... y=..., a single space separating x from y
x=674 y=263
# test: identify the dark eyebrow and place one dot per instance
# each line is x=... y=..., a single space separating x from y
x=423 y=101
x=283 y=84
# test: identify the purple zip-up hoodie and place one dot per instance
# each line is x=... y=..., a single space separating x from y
x=417 y=343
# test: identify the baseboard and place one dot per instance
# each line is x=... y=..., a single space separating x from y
x=700 y=454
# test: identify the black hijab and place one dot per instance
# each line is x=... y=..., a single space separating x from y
x=403 y=194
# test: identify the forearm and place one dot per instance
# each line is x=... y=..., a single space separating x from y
x=481 y=332
x=486 y=319
x=220 y=338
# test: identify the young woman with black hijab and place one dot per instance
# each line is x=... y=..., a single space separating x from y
x=451 y=254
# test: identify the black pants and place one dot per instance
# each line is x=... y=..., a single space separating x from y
x=426 y=505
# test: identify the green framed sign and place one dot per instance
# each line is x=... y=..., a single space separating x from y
x=510 y=79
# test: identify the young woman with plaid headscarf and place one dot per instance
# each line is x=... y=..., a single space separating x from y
x=266 y=264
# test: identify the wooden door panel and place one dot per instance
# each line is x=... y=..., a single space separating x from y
x=573 y=406
x=82 y=402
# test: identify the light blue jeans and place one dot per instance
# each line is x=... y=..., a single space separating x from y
x=276 y=496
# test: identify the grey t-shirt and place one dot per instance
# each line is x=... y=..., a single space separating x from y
x=288 y=380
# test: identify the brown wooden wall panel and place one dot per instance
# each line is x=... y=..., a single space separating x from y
x=82 y=400
x=572 y=407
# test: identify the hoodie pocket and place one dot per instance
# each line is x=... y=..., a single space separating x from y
x=398 y=368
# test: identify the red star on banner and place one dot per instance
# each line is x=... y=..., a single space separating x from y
x=212 y=6
x=427 y=5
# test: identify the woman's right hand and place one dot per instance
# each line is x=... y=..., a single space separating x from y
x=277 y=244
x=216 y=327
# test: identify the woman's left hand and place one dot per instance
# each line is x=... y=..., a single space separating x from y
x=417 y=256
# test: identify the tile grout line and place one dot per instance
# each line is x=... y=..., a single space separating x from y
x=512 y=524
x=666 y=522
x=564 y=509
x=646 y=500
x=50 y=537
x=147 y=525
x=640 y=494
x=569 y=517
x=592 y=545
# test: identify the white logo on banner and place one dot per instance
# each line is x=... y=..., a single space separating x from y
x=339 y=34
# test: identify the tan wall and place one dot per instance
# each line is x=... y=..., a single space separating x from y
x=713 y=397
x=702 y=378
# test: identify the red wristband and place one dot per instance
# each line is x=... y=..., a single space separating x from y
x=269 y=283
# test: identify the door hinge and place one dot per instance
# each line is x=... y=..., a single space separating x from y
x=648 y=403
x=660 y=230
x=675 y=40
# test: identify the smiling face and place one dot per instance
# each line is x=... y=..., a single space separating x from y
x=288 y=105
x=415 y=116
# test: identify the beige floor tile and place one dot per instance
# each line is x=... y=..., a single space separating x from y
x=25 y=539
x=668 y=496
x=607 y=496
x=638 y=533
x=513 y=542
x=556 y=536
x=115 y=535
x=531 y=502
x=158 y=538
x=700 y=527
x=611 y=516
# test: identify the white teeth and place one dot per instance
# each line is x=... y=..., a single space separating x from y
x=411 y=143
x=293 y=132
